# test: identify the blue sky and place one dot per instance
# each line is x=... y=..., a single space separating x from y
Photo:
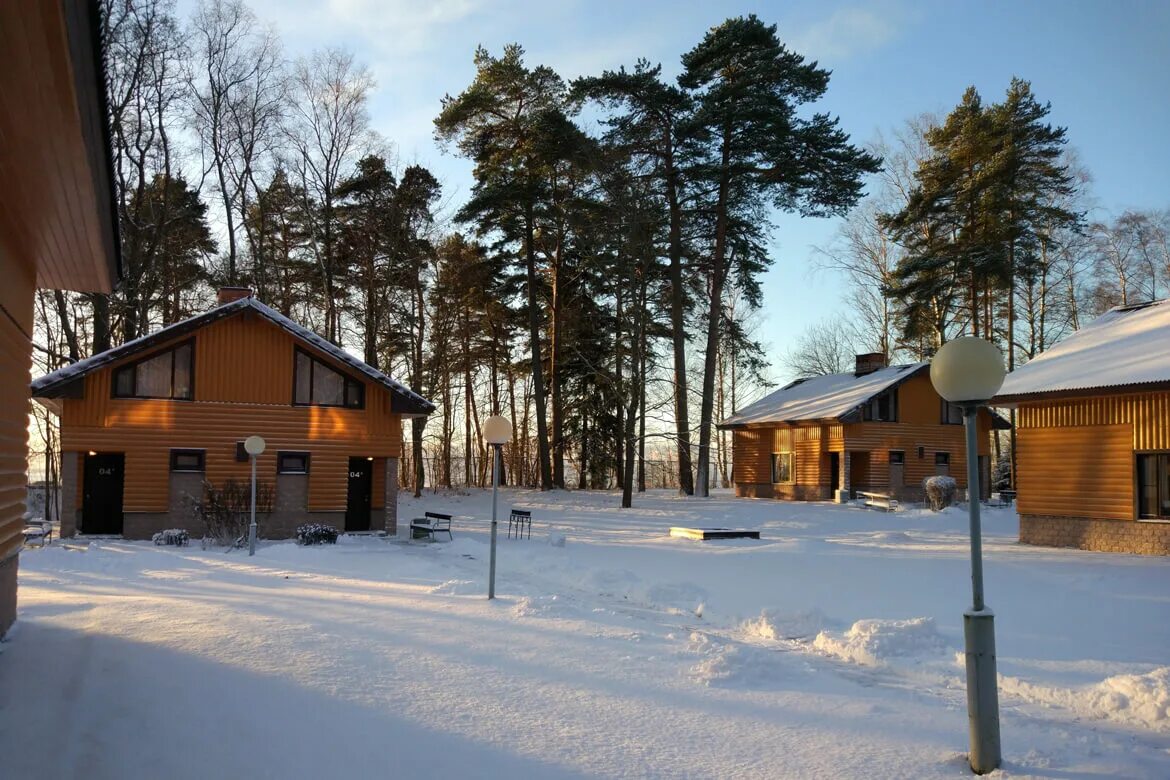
x=1104 y=66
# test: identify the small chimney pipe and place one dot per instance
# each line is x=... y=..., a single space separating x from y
x=229 y=294
x=868 y=363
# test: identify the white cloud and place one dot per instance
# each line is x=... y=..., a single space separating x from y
x=847 y=33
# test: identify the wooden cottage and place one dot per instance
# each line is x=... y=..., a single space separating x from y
x=880 y=429
x=147 y=425
x=58 y=227
x=1093 y=435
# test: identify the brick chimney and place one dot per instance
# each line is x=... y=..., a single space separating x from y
x=229 y=294
x=868 y=363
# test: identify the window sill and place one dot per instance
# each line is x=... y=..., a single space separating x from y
x=1155 y=520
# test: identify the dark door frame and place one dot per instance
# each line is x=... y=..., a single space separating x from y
x=103 y=489
x=359 y=494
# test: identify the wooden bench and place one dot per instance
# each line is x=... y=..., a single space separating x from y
x=39 y=531
x=430 y=524
x=518 y=520
x=879 y=501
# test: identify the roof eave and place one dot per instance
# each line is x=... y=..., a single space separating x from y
x=1012 y=400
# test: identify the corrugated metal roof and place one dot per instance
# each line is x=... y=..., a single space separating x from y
x=827 y=397
x=51 y=385
x=1128 y=345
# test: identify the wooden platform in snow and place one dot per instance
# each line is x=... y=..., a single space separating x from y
x=713 y=533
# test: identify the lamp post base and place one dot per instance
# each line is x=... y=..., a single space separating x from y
x=982 y=692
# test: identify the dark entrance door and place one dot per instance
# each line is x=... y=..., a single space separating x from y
x=357 y=504
x=834 y=474
x=101 y=506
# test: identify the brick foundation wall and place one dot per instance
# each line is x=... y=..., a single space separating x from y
x=1123 y=536
x=391 y=497
x=752 y=490
x=785 y=492
x=70 y=484
x=8 y=568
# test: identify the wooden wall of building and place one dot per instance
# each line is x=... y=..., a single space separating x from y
x=919 y=426
x=16 y=324
x=1075 y=458
x=243 y=385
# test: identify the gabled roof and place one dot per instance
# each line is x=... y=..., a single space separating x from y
x=1125 y=349
x=828 y=397
x=57 y=384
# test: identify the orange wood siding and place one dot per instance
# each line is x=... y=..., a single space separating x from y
x=751 y=456
x=1085 y=471
x=243 y=386
x=16 y=322
x=1147 y=413
x=1076 y=458
x=51 y=213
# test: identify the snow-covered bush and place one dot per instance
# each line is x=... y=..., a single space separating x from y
x=225 y=511
x=172 y=537
x=317 y=533
x=940 y=491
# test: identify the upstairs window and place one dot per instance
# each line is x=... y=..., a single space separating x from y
x=882 y=408
x=952 y=414
x=169 y=374
x=782 y=467
x=942 y=459
x=316 y=384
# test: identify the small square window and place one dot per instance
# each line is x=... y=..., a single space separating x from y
x=292 y=463
x=188 y=460
x=897 y=457
x=942 y=458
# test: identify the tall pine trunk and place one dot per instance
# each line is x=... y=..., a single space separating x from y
x=542 y=452
x=686 y=483
x=714 y=318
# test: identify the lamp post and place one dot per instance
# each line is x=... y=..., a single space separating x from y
x=254 y=446
x=497 y=432
x=968 y=372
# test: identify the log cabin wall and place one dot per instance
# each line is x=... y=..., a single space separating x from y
x=243 y=385
x=57 y=223
x=1076 y=457
x=16 y=323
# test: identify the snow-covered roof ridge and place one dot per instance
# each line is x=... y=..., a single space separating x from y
x=826 y=397
x=62 y=376
x=1124 y=347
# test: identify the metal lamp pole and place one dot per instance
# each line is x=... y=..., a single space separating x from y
x=967 y=372
x=254 y=446
x=497 y=431
x=495 y=490
x=252 y=525
x=979 y=627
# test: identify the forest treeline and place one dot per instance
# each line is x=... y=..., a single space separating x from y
x=596 y=288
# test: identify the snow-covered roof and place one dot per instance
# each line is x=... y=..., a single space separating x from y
x=827 y=397
x=1125 y=346
x=53 y=385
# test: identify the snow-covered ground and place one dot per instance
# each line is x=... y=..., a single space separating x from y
x=829 y=648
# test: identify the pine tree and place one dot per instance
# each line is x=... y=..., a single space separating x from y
x=651 y=129
x=756 y=151
x=510 y=121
